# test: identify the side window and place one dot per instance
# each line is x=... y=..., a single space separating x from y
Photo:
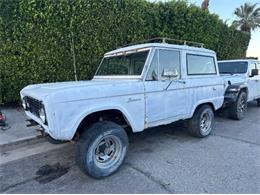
x=152 y=74
x=200 y=65
x=169 y=60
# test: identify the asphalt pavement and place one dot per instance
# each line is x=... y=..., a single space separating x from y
x=165 y=159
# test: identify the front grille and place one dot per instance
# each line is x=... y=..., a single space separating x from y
x=33 y=105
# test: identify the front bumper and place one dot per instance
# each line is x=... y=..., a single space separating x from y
x=44 y=127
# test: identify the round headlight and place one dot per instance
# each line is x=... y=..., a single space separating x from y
x=23 y=103
x=42 y=115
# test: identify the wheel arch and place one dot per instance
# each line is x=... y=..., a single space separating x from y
x=112 y=114
x=232 y=92
x=211 y=104
x=206 y=103
x=245 y=89
x=236 y=88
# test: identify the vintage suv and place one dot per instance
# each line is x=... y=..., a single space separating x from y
x=242 y=79
x=135 y=87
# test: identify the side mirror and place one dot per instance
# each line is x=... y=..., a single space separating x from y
x=254 y=72
x=170 y=73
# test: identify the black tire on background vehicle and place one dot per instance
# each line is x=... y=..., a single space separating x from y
x=201 y=124
x=238 y=109
x=101 y=149
x=258 y=102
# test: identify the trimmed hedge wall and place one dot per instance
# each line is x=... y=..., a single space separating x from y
x=39 y=39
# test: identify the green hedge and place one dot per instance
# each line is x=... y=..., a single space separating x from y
x=39 y=37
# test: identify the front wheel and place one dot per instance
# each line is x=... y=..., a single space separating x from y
x=201 y=124
x=101 y=149
x=238 y=109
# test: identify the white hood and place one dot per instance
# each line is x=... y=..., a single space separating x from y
x=234 y=79
x=79 y=90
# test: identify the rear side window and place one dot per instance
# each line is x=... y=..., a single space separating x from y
x=200 y=65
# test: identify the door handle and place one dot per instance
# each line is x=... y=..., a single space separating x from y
x=214 y=88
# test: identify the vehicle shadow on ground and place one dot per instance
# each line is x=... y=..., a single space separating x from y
x=179 y=129
x=223 y=112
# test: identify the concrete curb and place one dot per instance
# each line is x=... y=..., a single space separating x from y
x=21 y=142
x=28 y=149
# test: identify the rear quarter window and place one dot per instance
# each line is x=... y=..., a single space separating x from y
x=200 y=65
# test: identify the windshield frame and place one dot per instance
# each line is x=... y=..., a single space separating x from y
x=125 y=76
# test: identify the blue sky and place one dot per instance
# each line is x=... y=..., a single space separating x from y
x=225 y=9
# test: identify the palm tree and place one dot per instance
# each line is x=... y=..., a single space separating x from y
x=248 y=17
x=205 y=5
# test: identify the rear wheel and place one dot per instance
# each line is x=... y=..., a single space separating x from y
x=238 y=109
x=101 y=149
x=202 y=121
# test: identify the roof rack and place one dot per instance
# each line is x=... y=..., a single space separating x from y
x=251 y=58
x=169 y=41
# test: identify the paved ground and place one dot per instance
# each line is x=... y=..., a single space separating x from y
x=16 y=130
x=160 y=160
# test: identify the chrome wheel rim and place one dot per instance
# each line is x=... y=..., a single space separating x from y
x=107 y=151
x=242 y=105
x=205 y=121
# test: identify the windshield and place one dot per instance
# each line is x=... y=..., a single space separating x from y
x=129 y=64
x=232 y=67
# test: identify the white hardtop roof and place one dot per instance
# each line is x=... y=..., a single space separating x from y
x=240 y=60
x=159 y=45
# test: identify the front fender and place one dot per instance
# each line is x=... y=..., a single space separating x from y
x=69 y=115
x=232 y=92
x=127 y=116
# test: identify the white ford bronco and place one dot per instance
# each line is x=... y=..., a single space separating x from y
x=135 y=87
x=242 y=81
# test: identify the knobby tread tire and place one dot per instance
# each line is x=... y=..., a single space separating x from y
x=233 y=110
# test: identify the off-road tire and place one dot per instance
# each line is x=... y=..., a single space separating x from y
x=235 y=110
x=88 y=145
x=194 y=124
x=258 y=102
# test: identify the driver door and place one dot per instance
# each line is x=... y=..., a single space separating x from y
x=164 y=96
